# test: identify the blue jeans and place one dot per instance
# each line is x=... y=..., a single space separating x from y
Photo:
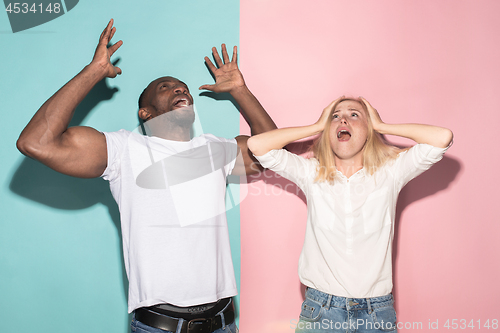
x=138 y=327
x=323 y=313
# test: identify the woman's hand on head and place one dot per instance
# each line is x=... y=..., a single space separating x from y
x=327 y=112
x=374 y=116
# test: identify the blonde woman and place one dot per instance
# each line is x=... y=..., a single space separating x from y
x=351 y=183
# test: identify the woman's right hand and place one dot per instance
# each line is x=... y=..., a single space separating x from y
x=327 y=112
x=276 y=139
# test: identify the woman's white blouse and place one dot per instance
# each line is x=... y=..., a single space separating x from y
x=350 y=224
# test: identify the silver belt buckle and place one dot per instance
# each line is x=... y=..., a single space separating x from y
x=200 y=325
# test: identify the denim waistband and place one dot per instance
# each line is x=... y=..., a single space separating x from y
x=328 y=300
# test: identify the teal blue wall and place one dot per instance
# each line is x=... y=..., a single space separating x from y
x=61 y=266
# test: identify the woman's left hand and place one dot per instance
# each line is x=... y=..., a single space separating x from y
x=374 y=116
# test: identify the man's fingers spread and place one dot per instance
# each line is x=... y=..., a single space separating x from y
x=217 y=58
x=106 y=31
x=224 y=53
x=108 y=27
x=102 y=34
x=104 y=37
x=235 y=54
x=112 y=33
x=210 y=64
x=206 y=87
x=114 y=47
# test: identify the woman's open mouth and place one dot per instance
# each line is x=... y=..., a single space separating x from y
x=343 y=135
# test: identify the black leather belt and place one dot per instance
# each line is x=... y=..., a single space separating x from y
x=201 y=322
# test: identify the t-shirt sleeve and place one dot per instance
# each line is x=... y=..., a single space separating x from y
x=115 y=141
x=289 y=165
x=415 y=161
x=230 y=148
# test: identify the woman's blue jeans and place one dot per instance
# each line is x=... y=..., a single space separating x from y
x=322 y=313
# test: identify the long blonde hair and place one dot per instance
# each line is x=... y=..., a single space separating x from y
x=376 y=151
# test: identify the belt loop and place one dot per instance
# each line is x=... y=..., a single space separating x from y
x=179 y=325
x=369 y=306
x=222 y=319
x=328 y=301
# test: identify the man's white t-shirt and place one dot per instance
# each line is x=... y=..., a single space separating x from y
x=174 y=229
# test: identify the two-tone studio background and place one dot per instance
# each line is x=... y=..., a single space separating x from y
x=429 y=61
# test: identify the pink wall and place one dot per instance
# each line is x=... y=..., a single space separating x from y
x=429 y=61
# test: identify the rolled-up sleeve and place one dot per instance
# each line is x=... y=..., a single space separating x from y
x=415 y=161
x=289 y=165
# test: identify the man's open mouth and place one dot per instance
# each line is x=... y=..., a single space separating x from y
x=183 y=102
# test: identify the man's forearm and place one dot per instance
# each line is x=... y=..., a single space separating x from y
x=54 y=116
x=253 y=112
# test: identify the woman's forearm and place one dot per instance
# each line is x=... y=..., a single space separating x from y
x=433 y=135
x=278 y=138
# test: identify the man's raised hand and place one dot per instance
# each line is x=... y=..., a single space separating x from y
x=103 y=53
x=227 y=74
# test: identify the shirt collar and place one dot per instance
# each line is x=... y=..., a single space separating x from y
x=359 y=174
